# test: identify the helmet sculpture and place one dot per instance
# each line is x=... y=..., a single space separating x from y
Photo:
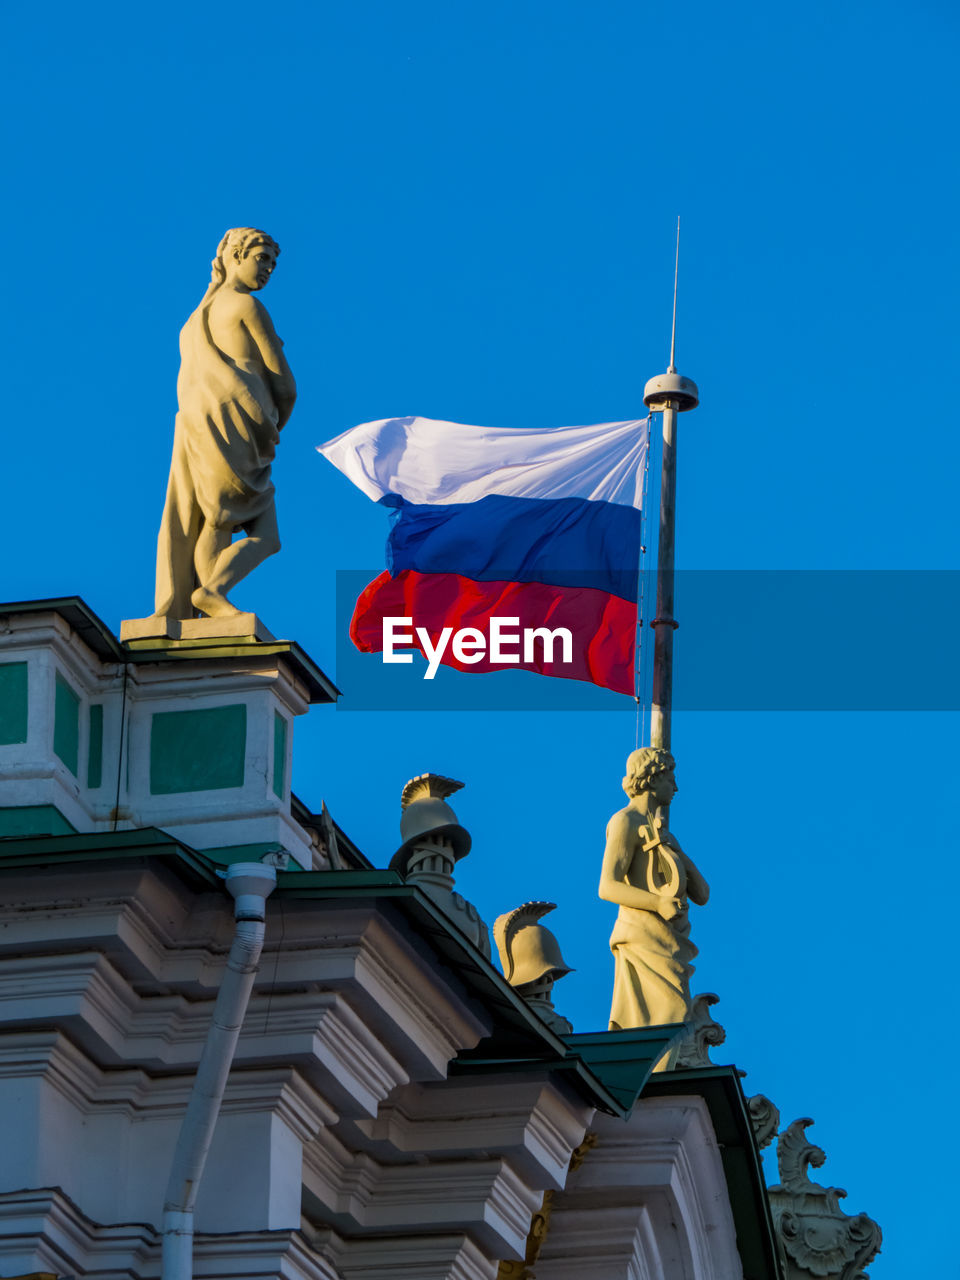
x=528 y=950
x=427 y=817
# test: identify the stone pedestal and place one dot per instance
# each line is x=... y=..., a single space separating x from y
x=187 y=726
x=236 y=626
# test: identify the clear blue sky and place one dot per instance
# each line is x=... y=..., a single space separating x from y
x=475 y=205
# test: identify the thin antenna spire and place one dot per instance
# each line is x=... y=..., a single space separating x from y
x=673 y=335
x=669 y=394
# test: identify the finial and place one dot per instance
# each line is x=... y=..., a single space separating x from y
x=673 y=335
x=433 y=844
x=672 y=388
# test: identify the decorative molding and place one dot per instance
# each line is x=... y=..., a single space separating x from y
x=694 y=1051
x=414 y=1257
x=817 y=1238
x=650 y=1202
x=484 y=1197
x=765 y=1118
x=45 y=1231
x=86 y=996
x=128 y=992
x=527 y=1121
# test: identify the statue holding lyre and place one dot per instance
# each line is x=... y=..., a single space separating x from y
x=651 y=879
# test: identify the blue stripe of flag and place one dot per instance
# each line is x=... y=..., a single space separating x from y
x=567 y=542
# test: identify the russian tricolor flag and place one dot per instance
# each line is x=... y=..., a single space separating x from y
x=540 y=526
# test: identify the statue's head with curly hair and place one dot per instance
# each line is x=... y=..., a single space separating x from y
x=236 y=246
x=643 y=766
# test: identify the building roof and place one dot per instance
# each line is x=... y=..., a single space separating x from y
x=610 y=1070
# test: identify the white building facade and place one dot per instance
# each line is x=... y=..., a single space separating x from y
x=393 y=1107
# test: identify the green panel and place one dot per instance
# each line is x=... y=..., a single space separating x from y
x=34 y=820
x=623 y=1060
x=95 y=754
x=13 y=702
x=197 y=750
x=279 y=752
x=66 y=725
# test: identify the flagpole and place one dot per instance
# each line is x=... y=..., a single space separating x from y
x=667 y=394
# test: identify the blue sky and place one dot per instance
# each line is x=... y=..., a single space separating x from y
x=476 y=206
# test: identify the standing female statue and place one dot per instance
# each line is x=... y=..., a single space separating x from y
x=235 y=393
x=651 y=879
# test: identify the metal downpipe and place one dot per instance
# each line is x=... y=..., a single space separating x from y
x=250 y=883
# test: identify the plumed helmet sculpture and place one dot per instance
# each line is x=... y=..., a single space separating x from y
x=426 y=815
x=528 y=950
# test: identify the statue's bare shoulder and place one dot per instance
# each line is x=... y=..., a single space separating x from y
x=241 y=327
x=622 y=832
x=233 y=302
x=230 y=307
x=624 y=823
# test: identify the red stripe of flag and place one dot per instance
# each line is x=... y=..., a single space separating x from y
x=603 y=626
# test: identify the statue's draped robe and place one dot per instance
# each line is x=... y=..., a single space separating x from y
x=652 y=956
x=224 y=442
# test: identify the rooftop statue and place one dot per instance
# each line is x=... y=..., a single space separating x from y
x=433 y=844
x=531 y=960
x=651 y=879
x=235 y=393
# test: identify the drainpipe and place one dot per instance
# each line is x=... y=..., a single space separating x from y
x=250 y=883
